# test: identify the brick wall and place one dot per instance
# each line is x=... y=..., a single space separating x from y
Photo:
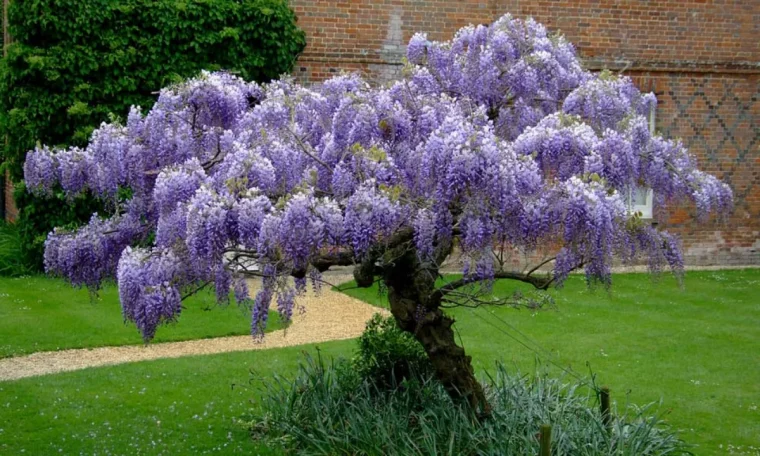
x=702 y=57
x=370 y=36
x=718 y=118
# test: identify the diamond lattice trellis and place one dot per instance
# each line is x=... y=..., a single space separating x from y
x=718 y=118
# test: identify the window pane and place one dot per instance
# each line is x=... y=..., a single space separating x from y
x=639 y=197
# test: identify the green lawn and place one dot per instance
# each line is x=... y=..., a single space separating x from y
x=696 y=348
x=41 y=314
x=172 y=407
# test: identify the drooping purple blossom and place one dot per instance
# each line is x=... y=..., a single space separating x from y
x=207 y=225
x=370 y=214
x=149 y=283
x=416 y=50
x=424 y=234
x=176 y=185
x=90 y=254
x=251 y=211
x=171 y=228
x=41 y=171
x=260 y=308
x=241 y=291
x=286 y=300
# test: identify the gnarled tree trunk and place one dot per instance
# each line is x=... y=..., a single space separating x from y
x=410 y=286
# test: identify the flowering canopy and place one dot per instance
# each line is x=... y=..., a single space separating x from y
x=497 y=138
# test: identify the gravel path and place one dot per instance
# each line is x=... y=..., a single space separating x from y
x=329 y=316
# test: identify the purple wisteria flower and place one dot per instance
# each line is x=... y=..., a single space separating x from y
x=497 y=140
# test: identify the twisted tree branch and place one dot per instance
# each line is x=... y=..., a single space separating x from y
x=540 y=283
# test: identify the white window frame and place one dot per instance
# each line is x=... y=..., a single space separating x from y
x=646 y=209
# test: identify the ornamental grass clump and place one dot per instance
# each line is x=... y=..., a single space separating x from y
x=326 y=410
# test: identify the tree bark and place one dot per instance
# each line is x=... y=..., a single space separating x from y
x=410 y=287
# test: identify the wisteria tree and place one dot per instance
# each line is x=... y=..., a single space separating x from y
x=496 y=145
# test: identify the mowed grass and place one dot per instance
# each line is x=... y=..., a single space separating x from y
x=696 y=348
x=183 y=406
x=41 y=314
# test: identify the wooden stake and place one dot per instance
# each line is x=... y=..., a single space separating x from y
x=545 y=440
x=604 y=394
